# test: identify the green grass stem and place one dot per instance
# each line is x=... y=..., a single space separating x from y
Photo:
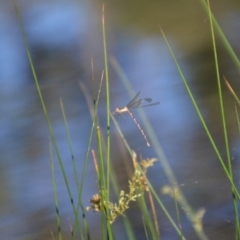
x=222 y=36
x=55 y=193
x=47 y=119
x=202 y=120
x=223 y=114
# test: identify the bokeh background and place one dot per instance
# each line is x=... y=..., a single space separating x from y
x=64 y=36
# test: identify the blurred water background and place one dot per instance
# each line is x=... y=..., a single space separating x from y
x=63 y=37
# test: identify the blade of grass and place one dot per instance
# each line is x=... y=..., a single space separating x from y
x=95 y=120
x=69 y=143
x=101 y=173
x=47 y=118
x=121 y=134
x=223 y=115
x=202 y=119
x=179 y=231
x=237 y=116
x=145 y=228
x=160 y=203
x=150 y=197
x=127 y=223
x=102 y=182
x=237 y=225
x=232 y=91
x=108 y=112
x=107 y=105
x=107 y=94
x=177 y=211
x=149 y=224
x=222 y=36
x=55 y=193
x=219 y=89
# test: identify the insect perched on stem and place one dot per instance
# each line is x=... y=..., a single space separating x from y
x=136 y=103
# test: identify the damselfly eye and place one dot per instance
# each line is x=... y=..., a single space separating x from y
x=148 y=99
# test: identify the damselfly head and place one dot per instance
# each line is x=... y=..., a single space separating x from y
x=116 y=111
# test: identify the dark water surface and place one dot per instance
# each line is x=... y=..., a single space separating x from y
x=63 y=37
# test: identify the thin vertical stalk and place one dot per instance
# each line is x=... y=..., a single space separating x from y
x=48 y=120
x=108 y=112
x=55 y=194
x=223 y=117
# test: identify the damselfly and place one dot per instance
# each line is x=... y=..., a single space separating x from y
x=136 y=103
